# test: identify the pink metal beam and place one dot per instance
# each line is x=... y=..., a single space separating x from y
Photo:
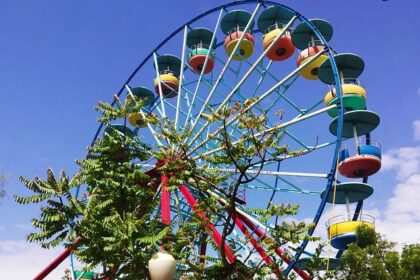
x=56 y=262
x=253 y=241
x=165 y=201
x=215 y=234
x=278 y=250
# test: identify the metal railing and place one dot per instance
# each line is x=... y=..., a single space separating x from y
x=238 y=29
x=278 y=26
x=202 y=46
x=365 y=218
x=167 y=71
x=373 y=142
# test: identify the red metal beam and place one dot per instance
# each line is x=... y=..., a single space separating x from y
x=253 y=241
x=56 y=262
x=215 y=234
x=203 y=249
x=165 y=201
x=278 y=250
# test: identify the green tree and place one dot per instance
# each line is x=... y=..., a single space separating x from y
x=117 y=224
x=373 y=257
x=410 y=262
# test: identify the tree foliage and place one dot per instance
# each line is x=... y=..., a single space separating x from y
x=117 y=221
x=373 y=257
x=381 y=261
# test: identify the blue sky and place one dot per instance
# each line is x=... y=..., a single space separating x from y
x=59 y=58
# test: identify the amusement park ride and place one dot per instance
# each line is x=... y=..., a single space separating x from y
x=207 y=74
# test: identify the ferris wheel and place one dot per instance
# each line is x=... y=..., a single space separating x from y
x=282 y=65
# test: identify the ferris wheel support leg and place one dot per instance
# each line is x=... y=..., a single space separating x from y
x=203 y=250
x=165 y=204
x=165 y=200
x=57 y=261
x=278 y=250
x=210 y=227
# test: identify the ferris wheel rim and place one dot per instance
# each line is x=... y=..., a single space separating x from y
x=329 y=52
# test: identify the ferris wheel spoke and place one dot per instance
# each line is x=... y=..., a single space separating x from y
x=294 y=138
x=308 y=147
x=182 y=212
x=295 y=190
x=226 y=65
x=162 y=104
x=181 y=112
x=281 y=91
x=204 y=65
x=244 y=213
x=310 y=109
x=282 y=95
x=262 y=78
x=191 y=105
x=238 y=70
x=263 y=74
x=251 y=69
x=233 y=71
x=170 y=105
x=143 y=114
x=242 y=98
x=275 y=173
x=231 y=133
x=260 y=98
x=235 y=133
x=181 y=75
x=259 y=109
x=293 y=187
x=275 y=128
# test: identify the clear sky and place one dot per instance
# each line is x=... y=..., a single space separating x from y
x=58 y=58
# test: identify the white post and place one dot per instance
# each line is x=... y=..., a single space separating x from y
x=159 y=85
x=181 y=77
x=213 y=38
x=346 y=197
